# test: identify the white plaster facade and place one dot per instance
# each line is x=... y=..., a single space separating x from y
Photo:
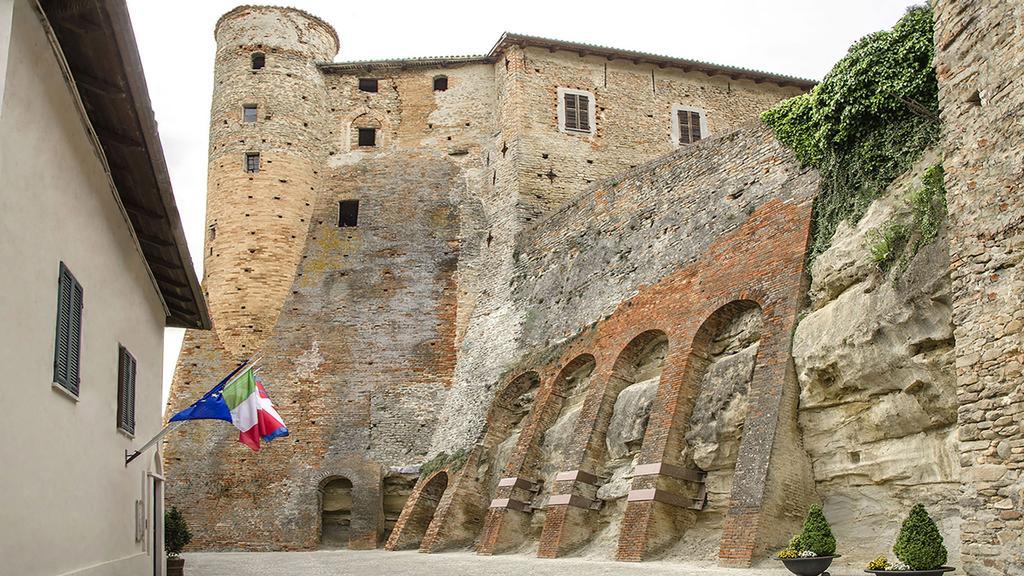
x=68 y=503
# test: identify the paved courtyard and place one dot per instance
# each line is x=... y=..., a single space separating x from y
x=380 y=563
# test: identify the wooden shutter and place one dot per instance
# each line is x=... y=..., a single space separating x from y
x=689 y=127
x=695 y=126
x=126 y=390
x=68 y=340
x=571 y=119
x=583 y=108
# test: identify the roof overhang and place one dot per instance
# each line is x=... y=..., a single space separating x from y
x=98 y=45
x=509 y=40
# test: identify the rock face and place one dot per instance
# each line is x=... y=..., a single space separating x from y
x=874 y=357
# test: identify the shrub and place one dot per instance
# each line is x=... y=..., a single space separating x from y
x=176 y=534
x=919 y=544
x=816 y=535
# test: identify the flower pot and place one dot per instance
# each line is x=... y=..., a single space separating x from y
x=933 y=572
x=175 y=566
x=812 y=566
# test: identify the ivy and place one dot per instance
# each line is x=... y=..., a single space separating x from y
x=866 y=123
x=895 y=244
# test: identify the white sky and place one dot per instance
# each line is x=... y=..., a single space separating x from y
x=796 y=37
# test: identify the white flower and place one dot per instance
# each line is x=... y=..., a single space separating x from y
x=807 y=554
x=898 y=566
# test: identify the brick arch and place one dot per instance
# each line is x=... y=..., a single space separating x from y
x=419 y=513
x=668 y=495
x=580 y=515
x=516 y=511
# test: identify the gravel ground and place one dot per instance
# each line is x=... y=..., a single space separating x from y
x=380 y=563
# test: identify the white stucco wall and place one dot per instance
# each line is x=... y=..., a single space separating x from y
x=67 y=502
x=6 y=11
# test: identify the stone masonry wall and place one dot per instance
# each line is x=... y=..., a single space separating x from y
x=979 y=55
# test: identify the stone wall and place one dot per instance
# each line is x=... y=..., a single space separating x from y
x=979 y=55
x=874 y=356
x=383 y=344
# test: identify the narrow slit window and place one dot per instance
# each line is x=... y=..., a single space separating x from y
x=367 y=84
x=125 y=390
x=252 y=162
x=367 y=137
x=440 y=83
x=67 y=351
x=249 y=113
x=348 y=213
x=259 y=60
x=690 y=126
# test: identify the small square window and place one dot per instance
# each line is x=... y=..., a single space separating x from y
x=249 y=113
x=252 y=162
x=575 y=111
x=689 y=125
x=368 y=84
x=440 y=83
x=367 y=137
x=259 y=60
x=348 y=213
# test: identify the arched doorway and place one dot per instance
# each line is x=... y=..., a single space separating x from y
x=335 y=513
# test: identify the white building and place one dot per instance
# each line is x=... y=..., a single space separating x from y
x=95 y=265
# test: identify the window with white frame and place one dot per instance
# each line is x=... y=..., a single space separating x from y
x=575 y=111
x=689 y=125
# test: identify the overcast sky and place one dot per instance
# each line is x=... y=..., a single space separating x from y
x=795 y=37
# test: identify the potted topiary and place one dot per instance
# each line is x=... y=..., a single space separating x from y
x=176 y=537
x=811 y=551
x=919 y=549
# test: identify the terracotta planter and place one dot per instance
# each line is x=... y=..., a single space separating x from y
x=175 y=566
x=812 y=566
x=934 y=572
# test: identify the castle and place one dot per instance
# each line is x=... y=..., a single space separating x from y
x=548 y=299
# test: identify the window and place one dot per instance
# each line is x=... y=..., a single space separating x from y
x=68 y=346
x=440 y=83
x=249 y=113
x=575 y=111
x=125 y=390
x=367 y=137
x=259 y=60
x=252 y=161
x=688 y=125
x=367 y=84
x=348 y=213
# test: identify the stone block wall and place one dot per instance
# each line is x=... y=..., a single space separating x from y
x=979 y=55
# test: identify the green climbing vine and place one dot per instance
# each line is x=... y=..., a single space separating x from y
x=893 y=245
x=866 y=123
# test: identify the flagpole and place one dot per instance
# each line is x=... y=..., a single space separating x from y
x=173 y=425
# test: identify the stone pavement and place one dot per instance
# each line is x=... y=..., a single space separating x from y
x=380 y=563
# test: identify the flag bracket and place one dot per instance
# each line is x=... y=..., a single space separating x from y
x=129 y=457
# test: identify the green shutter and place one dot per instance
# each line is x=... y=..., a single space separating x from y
x=126 y=390
x=68 y=341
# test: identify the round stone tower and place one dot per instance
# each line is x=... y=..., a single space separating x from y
x=265 y=155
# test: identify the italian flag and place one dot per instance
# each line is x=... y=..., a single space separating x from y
x=240 y=399
x=251 y=411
